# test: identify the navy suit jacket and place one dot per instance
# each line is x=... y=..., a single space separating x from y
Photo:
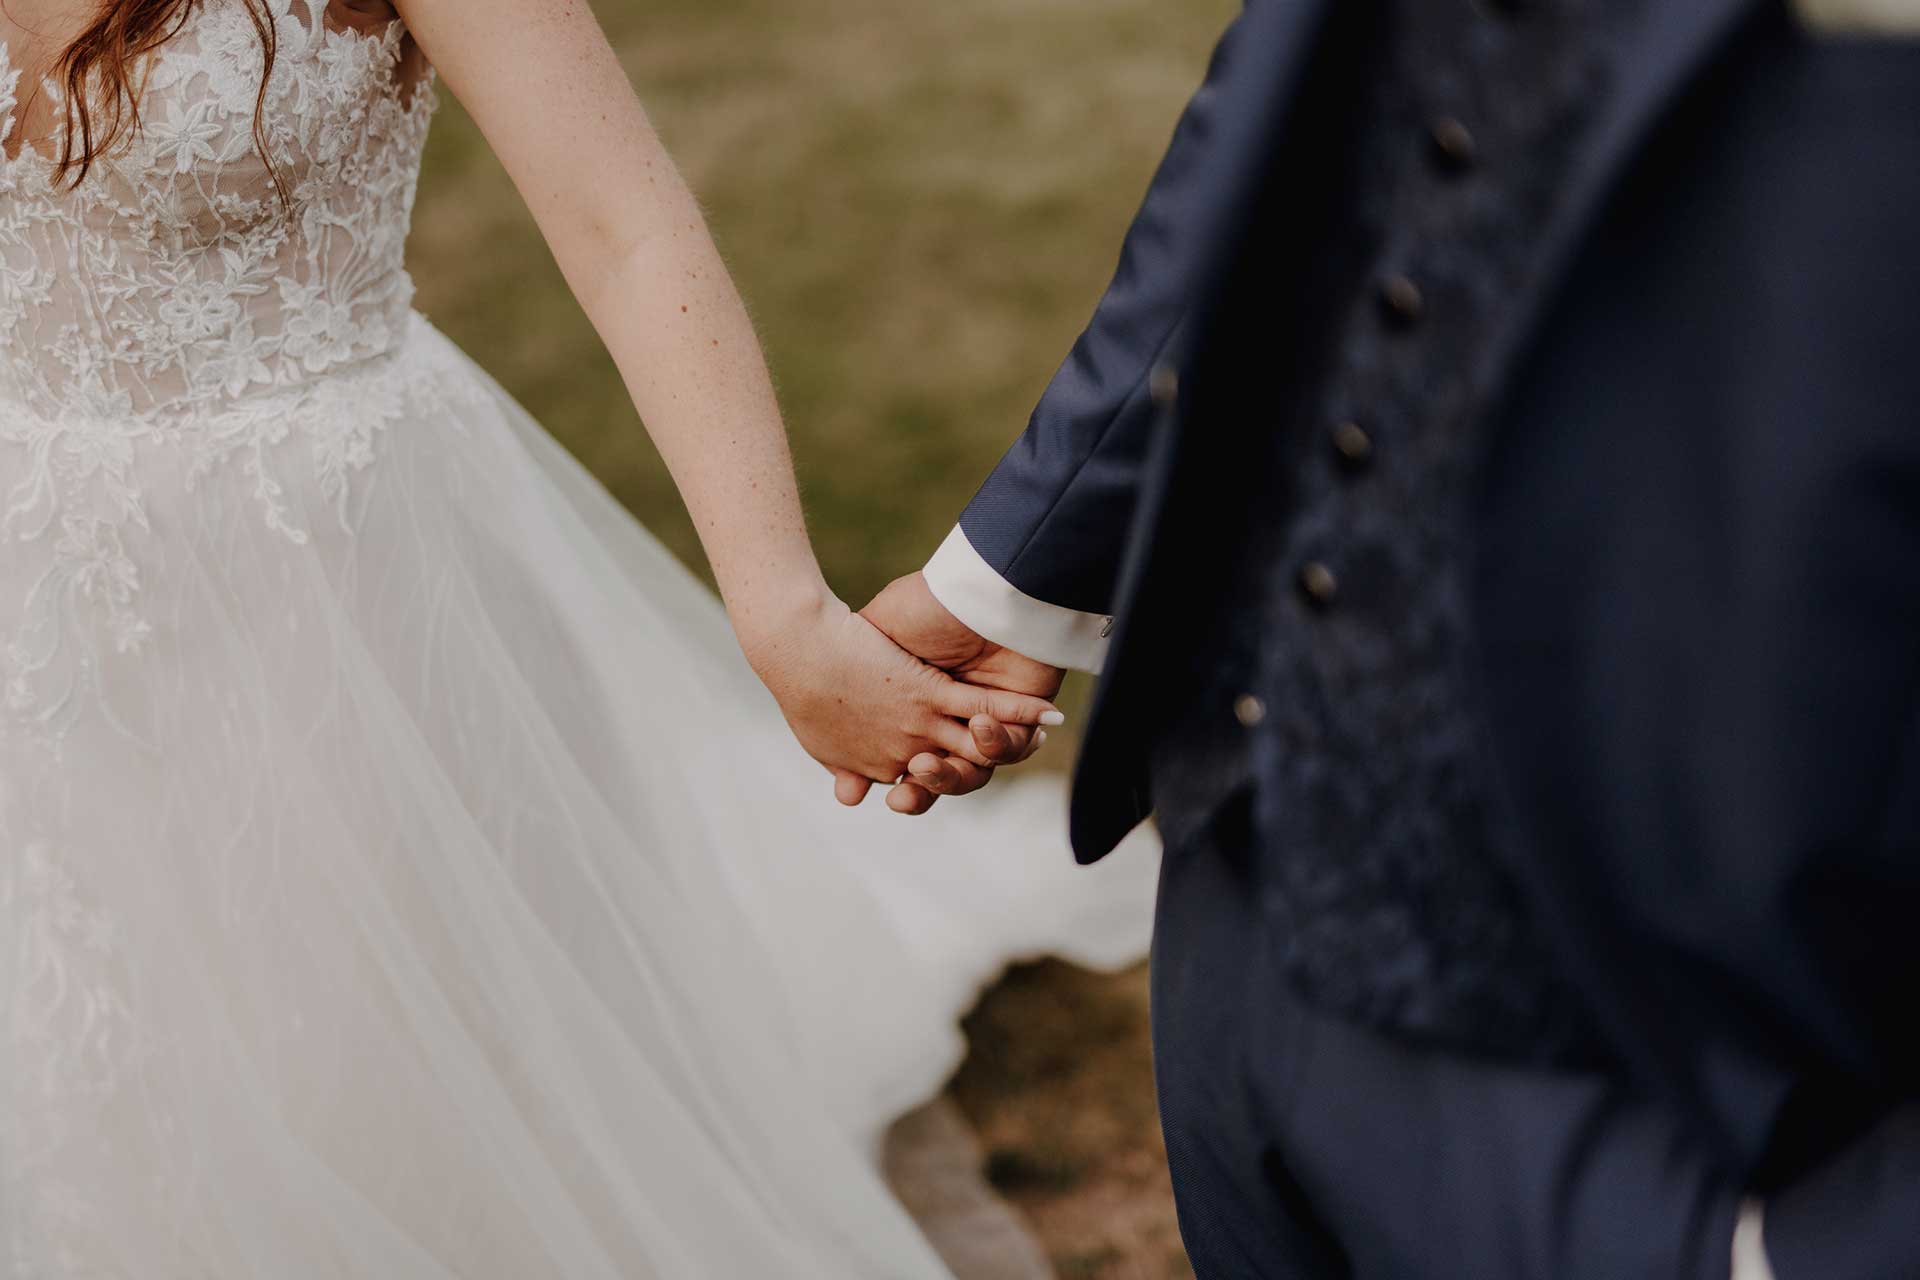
x=1743 y=950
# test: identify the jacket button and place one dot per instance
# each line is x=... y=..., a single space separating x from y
x=1318 y=584
x=1163 y=384
x=1402 y=300
x=1249 y=710
x=1453 y=145
x=1352 y=445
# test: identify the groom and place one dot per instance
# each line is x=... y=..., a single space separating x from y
x=1491 y=488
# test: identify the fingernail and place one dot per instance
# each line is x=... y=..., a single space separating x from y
x=1053 y=717
x=1040 y=739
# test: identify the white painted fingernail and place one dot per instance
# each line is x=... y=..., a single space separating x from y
x=1053 y=717
x=1040 y=738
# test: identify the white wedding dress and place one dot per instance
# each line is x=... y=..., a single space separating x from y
x=403 y=875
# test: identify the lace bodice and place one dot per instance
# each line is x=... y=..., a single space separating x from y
x=173 y=279
x=170 y=317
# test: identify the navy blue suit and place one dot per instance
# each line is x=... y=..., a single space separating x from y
x=1696 y=593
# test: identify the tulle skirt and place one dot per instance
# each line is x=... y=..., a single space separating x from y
x=405 y=876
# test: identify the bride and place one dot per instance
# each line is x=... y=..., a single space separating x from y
x=401 y=872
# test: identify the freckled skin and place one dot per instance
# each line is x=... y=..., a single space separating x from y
x=553 y=101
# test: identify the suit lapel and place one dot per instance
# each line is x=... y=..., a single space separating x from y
x=1674 y=42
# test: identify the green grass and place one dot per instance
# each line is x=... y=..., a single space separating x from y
x=921 y=203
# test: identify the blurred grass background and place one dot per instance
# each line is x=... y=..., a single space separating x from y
x=921 y=203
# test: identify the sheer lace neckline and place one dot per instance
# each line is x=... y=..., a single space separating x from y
x=387 y=38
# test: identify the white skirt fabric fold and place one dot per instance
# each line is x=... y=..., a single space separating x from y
x=406 y=877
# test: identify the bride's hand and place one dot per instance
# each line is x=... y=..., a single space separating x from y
x=859 y=703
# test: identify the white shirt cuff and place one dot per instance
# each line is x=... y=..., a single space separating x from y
x=1749 y=1246
x=995 y=608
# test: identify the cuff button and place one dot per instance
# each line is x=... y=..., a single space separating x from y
x=1164 y=384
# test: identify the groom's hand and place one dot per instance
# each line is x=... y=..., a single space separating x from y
x=915 y=620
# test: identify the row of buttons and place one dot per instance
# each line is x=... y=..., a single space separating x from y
x=1453 y=151
x=1403 y=305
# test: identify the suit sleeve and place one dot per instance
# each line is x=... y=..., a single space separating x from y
x=1035 y=557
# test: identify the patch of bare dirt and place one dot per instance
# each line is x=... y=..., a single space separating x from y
x=1058 y=1083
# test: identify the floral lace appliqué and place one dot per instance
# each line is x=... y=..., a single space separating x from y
x=171 y=303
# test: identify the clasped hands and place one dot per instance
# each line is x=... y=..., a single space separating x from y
x=904 y=693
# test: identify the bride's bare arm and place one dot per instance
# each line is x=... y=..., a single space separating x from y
x=557 y=108
x=553 y=101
